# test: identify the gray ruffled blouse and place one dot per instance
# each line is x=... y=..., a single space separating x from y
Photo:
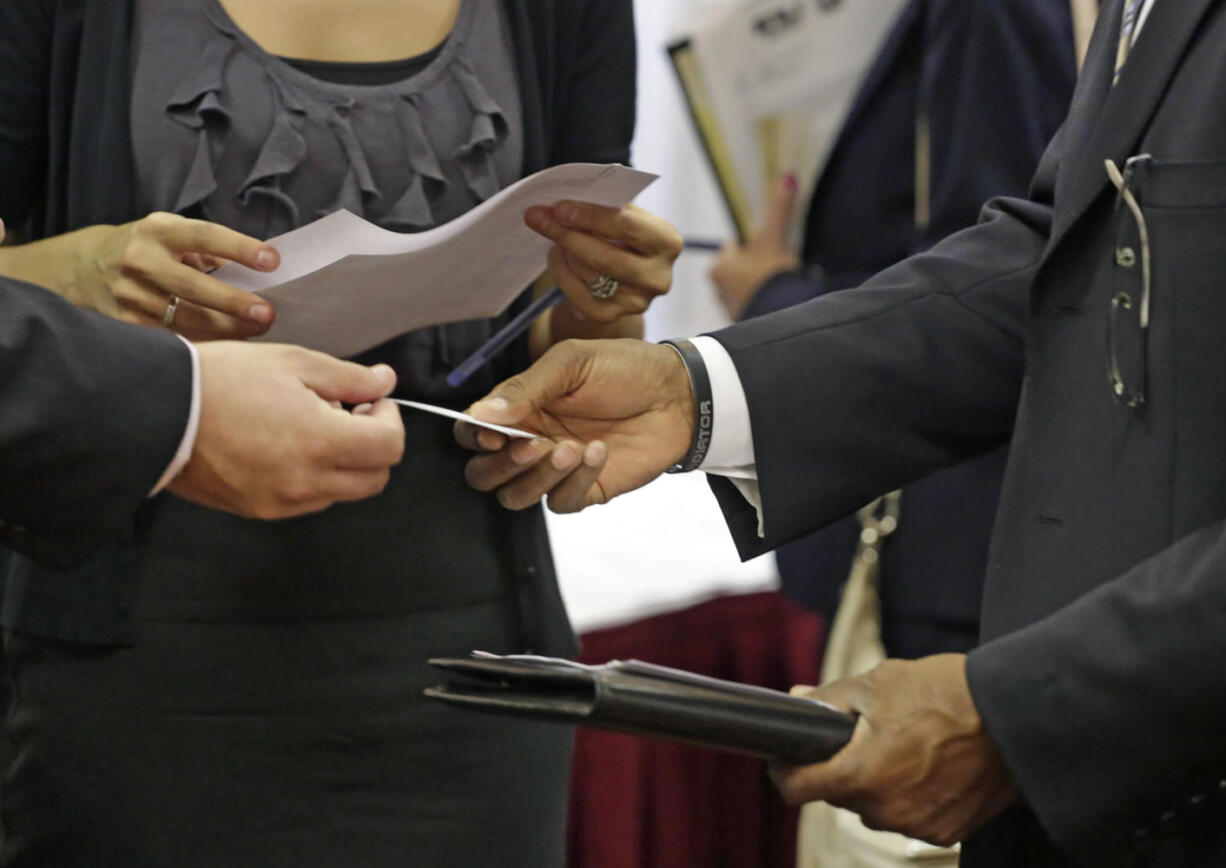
x=225 y=131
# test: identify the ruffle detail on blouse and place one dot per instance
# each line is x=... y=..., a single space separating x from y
x=358 y=185
x=475 y=158
x=412 y=211
x=282 y=153
x=196 y=104
x=199 y=103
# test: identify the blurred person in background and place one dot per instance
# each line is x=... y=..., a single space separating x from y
x=957 y=107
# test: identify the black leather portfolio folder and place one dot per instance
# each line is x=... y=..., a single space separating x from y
x=644 y=699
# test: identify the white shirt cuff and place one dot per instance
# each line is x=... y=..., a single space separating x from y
x=731 y=452
x=188 y=443
x=731 y=449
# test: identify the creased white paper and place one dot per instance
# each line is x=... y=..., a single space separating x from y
x=345 y=285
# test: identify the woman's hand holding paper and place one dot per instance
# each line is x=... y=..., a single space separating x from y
x=151 y=272
x=611 y=263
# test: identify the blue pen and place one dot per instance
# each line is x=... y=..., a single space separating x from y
x=505 y=335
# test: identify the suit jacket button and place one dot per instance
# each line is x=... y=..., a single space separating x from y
x=1170 y=822
x=1198 y=806
x=1143 y=839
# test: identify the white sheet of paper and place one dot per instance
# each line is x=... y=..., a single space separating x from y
x=464 y=417
x=345 y=285
x=793 y=69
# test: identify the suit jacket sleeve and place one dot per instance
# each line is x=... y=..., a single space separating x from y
x=936 y=344
x=93 y=411
x=1109 y=712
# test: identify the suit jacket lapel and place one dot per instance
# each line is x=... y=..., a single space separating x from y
x=1126 y=109
x=1093 y=86
x=911 y=18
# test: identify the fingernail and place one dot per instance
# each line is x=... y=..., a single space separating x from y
x=266 y=259
x=385 y=375
x=564 y=458
x=537 y=218
x=498 y=405
x=526 y=451
x=259 y=312
x=567 y=213
x=363 y=409
x=594 y=454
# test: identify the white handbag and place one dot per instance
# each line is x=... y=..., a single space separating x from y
x=831 y=837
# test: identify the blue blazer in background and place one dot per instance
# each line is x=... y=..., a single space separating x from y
x=992 y=80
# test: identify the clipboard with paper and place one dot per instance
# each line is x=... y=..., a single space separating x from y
x=769 y=84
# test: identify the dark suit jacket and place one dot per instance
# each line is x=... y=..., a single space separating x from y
x=954 y=64
x=1104 y=616
x=91 y=414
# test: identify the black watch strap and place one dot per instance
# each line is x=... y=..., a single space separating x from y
x=704 y=406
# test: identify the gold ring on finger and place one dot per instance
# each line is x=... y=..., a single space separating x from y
x=168 y=318
x=604 y=287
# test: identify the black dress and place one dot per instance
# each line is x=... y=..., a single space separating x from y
x=266 y=708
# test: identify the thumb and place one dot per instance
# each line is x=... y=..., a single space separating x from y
x=779 y=210
x=512 y=400
x=1 y=230
x=845 y=694
x=334 y=380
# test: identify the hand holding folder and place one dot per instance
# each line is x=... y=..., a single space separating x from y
x=648 y=700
